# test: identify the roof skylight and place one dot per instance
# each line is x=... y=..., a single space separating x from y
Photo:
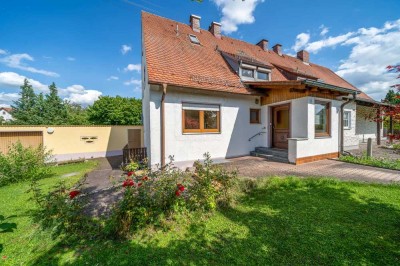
x=193 y=39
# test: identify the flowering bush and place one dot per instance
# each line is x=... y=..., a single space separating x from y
x=132 y=166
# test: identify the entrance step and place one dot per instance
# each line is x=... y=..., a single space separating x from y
x=271 y=154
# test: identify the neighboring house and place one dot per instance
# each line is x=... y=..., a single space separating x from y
x=205 y=92
x=5 y=112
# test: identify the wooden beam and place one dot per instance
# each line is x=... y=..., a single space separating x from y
x=298 y=90
x=378 y=127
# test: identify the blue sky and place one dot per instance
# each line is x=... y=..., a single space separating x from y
x=91 y=48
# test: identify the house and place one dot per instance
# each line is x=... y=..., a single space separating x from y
x=5 y=113
x=205 y=92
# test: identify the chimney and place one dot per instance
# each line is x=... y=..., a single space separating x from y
x=215 y=29
x=277 y=48
x=304 y=56
x=195 y=23
x=263 y=44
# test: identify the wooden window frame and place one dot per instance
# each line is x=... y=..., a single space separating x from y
x=258 y=120
x=327 y=132
x=202 y=130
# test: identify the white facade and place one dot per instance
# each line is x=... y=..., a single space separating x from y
x=236 y=129
x=6 y=115
x=365 y=128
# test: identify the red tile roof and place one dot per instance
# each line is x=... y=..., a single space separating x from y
x=171 y=58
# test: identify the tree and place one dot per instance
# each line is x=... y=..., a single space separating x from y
x=24 y=107
x=392 y=97
x=54 y=109
x=117 y=110
x=77 y=115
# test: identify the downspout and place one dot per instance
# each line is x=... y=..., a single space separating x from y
x=341 y=121
x=164 y=86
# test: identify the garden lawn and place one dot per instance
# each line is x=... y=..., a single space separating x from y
x=26 y=242
x=285 y=221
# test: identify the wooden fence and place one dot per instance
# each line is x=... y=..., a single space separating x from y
x=133 y=154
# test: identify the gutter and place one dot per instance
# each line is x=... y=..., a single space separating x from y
x=162 y=118
x=341 y=120
x=328 y=86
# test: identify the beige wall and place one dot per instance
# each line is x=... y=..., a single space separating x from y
x=73 y=142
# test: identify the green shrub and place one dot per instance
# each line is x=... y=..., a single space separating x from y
x=22 y=163
x=132 y=166
x=372 y=161
x=396 y=146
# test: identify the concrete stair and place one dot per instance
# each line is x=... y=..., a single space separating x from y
x=271 y=154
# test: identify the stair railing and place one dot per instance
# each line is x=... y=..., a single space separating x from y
x=258 y=134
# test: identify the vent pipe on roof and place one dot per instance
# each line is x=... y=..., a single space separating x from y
x=277 y=48
x=304 y=56
x=263 y=44
x=195 y=23
x=215 y=29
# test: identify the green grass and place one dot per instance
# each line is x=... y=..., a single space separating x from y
x=283 y=221
x=27 y=242
x=372 y=161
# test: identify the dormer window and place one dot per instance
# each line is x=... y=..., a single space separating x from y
x=249 y=73
x=262 y=75
x=194 y=39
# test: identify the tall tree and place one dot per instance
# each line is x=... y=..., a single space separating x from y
x=392 y=97
x=117 y=110
x=24 y=107
x=54 y=109
x=77 y=115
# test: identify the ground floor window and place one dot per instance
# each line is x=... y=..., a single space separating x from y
x=347 y=119
x=255 y=116
x=200 y=118
x=322 y=119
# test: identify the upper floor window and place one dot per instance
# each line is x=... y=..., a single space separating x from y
x=200 y=118
x=322 y=119
x=262 y=75
x=248 y=72
x=347 y=120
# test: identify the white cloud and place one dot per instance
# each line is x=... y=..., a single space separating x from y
x=78 y=94
x=133 y=82
x=125 y=49
x=3 y=51
x=314 y=47
x=16 y=61
x=6 y=99
x=14 y=80
x=301 y=40
x=133 y=67
x=236 y=12
x=75 y=93
x=113 y=78
x=324 y=30
x=69 y=58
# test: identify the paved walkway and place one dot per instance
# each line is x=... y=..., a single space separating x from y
x=259 y=167
x=101 y=186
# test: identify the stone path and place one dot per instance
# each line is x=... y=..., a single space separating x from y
x=102 y=186
x=259 y=167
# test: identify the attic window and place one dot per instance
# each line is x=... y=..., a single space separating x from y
x=247 y=72
x=193 y=39
x=262 y=75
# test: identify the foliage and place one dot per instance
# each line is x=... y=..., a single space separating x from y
x=77 y=115
x=117 y=110
x=54 y=109
x=372 y=161
x=131 y=166
x=392 y=97
x=23 y=163
x=396 y=146
x=24 y=108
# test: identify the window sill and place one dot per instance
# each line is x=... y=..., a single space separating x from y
x=200 y=133
x=255 y=123
x=323 y=137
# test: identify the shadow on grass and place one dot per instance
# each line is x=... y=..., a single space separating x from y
x=6 y=227
x=299 y=222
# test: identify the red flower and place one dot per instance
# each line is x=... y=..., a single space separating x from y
x=128 y=183
x=180 y=187
x=131 y=173
x=4 y=257
x=73 y=194
x=177 y=193
x=139 y=184
x=145 y=178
